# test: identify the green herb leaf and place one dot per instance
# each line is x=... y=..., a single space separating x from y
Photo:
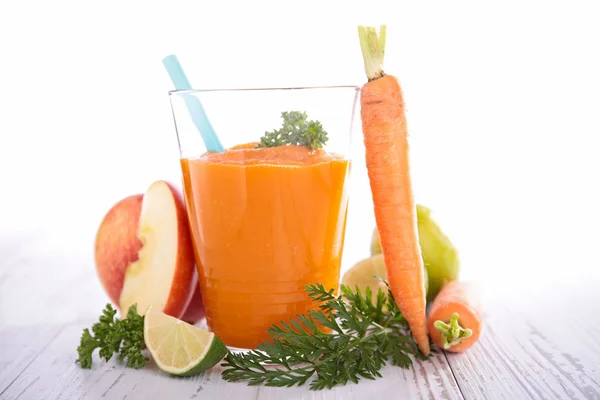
x=112 y=335
x=363 y=338
x=296 y=130
x=86 y=348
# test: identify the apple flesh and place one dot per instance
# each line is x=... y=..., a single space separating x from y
x=163 y=276
x=117 y=244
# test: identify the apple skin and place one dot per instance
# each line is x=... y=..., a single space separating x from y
x=117 y=244
x=195 y=309
x=148 y=281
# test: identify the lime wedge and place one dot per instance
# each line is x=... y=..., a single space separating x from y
x=179 y=348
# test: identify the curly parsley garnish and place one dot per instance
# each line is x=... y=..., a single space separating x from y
x=112 y=335
x=296 y=130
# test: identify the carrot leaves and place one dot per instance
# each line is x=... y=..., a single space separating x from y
x=364 y=333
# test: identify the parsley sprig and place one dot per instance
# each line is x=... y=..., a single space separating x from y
x=366 y=332
x=296 y=130
x=112 y=335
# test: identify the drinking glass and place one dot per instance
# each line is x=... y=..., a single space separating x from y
x=265 y=222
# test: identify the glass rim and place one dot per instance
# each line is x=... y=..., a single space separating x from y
x=271 y=89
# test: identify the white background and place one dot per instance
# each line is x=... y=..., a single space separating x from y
x=502 y=105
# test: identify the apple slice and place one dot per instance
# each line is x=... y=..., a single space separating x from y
x=163 y=276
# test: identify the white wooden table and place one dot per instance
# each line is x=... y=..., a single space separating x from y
x=541 y=341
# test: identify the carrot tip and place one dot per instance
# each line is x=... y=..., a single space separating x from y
x=452 y=333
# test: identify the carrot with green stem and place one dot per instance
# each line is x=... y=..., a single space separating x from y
x=386 y=146
x=455 y=317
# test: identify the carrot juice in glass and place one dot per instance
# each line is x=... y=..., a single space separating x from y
x=268 y=214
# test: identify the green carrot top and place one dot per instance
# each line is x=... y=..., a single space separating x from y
x=373 y=50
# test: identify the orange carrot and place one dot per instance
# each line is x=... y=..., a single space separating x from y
x=455 y=317
x=386 y=145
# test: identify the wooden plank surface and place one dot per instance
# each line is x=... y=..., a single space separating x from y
x=539 y=342
x=542 y=344
x=54 y=374
x=19 y=347
x=48 y=297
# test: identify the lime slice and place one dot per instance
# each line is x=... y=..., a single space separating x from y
x=179 y=348
x=365 y=272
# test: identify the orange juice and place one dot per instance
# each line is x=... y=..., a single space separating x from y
x=265 y=222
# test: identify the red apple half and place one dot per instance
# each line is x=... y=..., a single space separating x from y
x=117 y=244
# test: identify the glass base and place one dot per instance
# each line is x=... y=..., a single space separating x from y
x=235 y=350
x=238 y=350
